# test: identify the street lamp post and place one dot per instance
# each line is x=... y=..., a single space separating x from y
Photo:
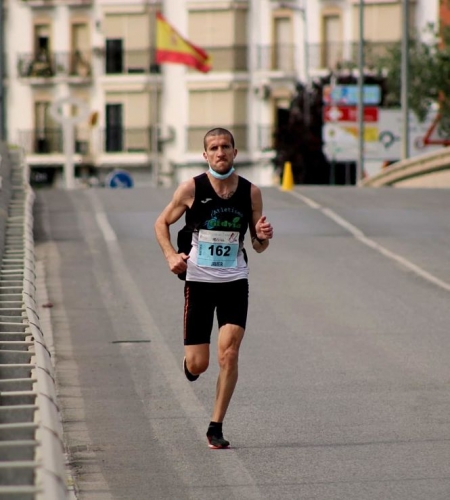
x=303 y=12
x=360 y=165
x=405 y=79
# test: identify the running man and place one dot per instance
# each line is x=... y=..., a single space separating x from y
x=219 y=206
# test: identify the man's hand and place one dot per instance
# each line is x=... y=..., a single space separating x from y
x=177 y=262
x=264 y=229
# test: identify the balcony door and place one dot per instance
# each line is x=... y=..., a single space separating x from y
x=114 y=56
x=47 y=134
x=114 y=128
x=42 y=39
x=80 y=56
x=332 y=46
x=41 y=65
x=283 y=54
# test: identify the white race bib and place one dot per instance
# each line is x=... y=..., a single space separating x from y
x=217 y=248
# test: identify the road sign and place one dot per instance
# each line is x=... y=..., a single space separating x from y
x=434 y=136
x=119 y=179
x=382 y=140
x=349 y=94
x=349 y=114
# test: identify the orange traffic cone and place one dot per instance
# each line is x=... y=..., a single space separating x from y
x=288 y=179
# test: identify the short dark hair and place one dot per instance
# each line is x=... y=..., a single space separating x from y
x=218 y=131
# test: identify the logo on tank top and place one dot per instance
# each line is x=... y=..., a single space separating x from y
x=220 y=218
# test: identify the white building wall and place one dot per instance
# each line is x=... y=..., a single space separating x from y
x=313 y=10
x=427 y=11
x=19 y=110
x=175 y=78
x=174 y=105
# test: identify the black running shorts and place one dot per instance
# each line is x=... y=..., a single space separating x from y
x=229 y=300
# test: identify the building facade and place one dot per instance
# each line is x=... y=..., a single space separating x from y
x=150 y=119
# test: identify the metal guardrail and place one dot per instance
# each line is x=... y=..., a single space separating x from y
x=32 y=460
x=412 y=167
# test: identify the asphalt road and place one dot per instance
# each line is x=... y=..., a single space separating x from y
x=344 y=370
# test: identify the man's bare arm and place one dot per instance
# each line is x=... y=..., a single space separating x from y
x=181 y=200
x=260 y=229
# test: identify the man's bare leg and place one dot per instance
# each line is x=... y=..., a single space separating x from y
x=197 y=358
x=230 y=338
x=229 y=342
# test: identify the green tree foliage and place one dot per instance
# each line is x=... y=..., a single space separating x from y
x=429 y=75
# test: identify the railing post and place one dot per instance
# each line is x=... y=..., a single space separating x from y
x=2 y=76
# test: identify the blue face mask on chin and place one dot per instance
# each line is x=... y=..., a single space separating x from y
x=220 y=176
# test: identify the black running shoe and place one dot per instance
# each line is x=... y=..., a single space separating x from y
x=189 y=375
x=217 y=442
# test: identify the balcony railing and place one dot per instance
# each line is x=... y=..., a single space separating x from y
x=112 y=140
x=44 y=141
x=51 y=3
x=52 y=64
x=373 y=51
x=320 y=55
x=127 y=140
x=276 y=58
x=120 y=61
x=280 y=57
x=195 y=137
x=233 y=58
x=50 y=141
x=337 y=55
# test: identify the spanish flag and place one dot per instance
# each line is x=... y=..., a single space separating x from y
x=171 y=47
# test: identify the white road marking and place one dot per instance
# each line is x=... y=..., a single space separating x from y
x=357 y=233
x=233 y=468
x=105 y=226
x=308 y=201
x=360 y=236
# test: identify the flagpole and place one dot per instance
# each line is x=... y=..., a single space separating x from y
x=361 y=144
x=171 y=47
x=154 y=70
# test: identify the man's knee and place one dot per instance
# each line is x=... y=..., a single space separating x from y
x=230 y=339
x=228 y=357
x=197 y=361
x=198 y=366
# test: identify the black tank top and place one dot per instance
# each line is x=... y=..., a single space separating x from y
x=210 y=211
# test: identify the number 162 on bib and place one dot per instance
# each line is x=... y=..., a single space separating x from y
x=217 y=248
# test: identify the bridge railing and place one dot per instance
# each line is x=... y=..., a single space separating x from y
x=32 y=459
x=417 y=166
